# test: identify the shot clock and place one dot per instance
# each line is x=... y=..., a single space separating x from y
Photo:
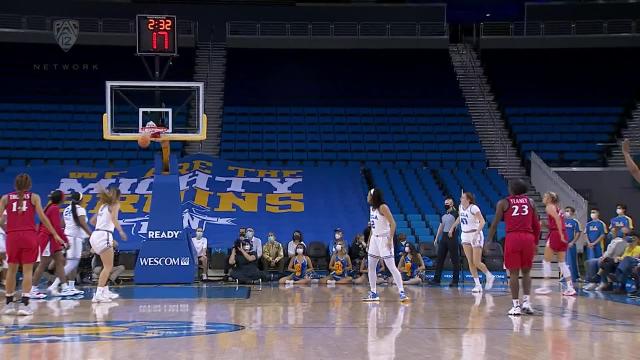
x=157 y=35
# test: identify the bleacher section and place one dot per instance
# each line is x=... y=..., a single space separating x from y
x=565 y=104
x=401 y=106
x=416 y=196
x=52 y=104
x=416 y=135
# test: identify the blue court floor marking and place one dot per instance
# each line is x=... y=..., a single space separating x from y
x=82 y=331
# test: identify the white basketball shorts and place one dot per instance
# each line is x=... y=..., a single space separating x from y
x=100 y=241
x=379 y=247
x=476 y=240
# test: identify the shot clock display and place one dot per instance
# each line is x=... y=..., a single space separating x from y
x=157 y=35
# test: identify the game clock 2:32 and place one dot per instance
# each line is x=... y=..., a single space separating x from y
x=156 y=35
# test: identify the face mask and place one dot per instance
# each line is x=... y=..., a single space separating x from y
x=198 y=234
x=250 y=234
x=338 y=236
x=567 y=214
x=447 y=206
x=594 y=216
x=246 y=247
x=619 y=211
x=299 y=251
x=407 y=249
x=272 y=238
x=338 y=247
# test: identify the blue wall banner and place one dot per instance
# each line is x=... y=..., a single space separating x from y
x=222 y=196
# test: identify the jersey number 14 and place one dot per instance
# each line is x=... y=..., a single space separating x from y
x=23 y=207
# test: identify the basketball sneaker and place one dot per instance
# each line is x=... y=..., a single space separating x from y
x=569 y=292
x=24 y=310
x=590 y=286
x=489 y=284
x=477 y=289
x=371 y=297
x=543 y=290
x=36 y=294
x=100 y=297
x=403 y=297
x=9 y=309
x=515 y=311
x=527 y=309
x=111 y=295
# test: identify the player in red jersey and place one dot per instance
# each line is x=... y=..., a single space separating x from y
x=523 y=232
x=557 y=244
x=22 y=240
x=52 y=250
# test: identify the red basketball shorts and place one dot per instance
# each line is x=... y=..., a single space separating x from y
x=556 y=244
x=48 y=245
x=22 y=247
x=519 y=250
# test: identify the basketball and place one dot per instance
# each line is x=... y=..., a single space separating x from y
x=144 y=140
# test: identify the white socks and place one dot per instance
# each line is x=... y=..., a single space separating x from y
x=525 y=299
x=566 y=273
x=546 y=269
x=72 y=284
x=476 y=280
x=516 y=302
x=397 y=277
x=373 y=276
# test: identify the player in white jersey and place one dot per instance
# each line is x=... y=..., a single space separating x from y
x=102 y=242
x=472 y=222
x=383 y=227
x=4 y=265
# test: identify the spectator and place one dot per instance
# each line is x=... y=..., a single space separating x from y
x=340 y=264
x=227 y=265
x=273 y=254
x=358 y=251
x=300 y=266
x=363 y=277
x=296 y=239
x=245 y=263
x=610 y=265
x=411 y=265
x=338 y=236
x=573 y=234
x=620 y=221
x=448 y=244
x=400 y=245
x=635 y=274
x=627 y=262
x=200 y=244
x=256 y=242
x=596 y=231
x=592 y=266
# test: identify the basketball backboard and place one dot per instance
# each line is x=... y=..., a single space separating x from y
x=133 y=105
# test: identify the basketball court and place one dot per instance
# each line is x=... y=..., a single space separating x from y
x=270 y=322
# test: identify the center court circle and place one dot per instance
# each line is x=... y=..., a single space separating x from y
x=108 y=331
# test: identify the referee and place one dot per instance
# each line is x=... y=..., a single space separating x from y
x=447 y=244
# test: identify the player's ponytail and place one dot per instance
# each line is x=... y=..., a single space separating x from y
x=76 y=197
x=22 y=184
x=110 y=196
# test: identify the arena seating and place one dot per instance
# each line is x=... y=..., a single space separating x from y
x=350 y=134
x=564 y=103
x=401 y=107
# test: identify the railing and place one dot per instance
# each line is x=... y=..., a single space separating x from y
x=559 y=28
x=545 y=179
x=245 y=29
x=90 y=25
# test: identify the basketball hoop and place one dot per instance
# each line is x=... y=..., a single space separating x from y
x=154 y=131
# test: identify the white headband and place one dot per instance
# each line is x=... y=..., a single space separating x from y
x=371 y=192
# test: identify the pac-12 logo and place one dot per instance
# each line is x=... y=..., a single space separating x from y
x=66 y=33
